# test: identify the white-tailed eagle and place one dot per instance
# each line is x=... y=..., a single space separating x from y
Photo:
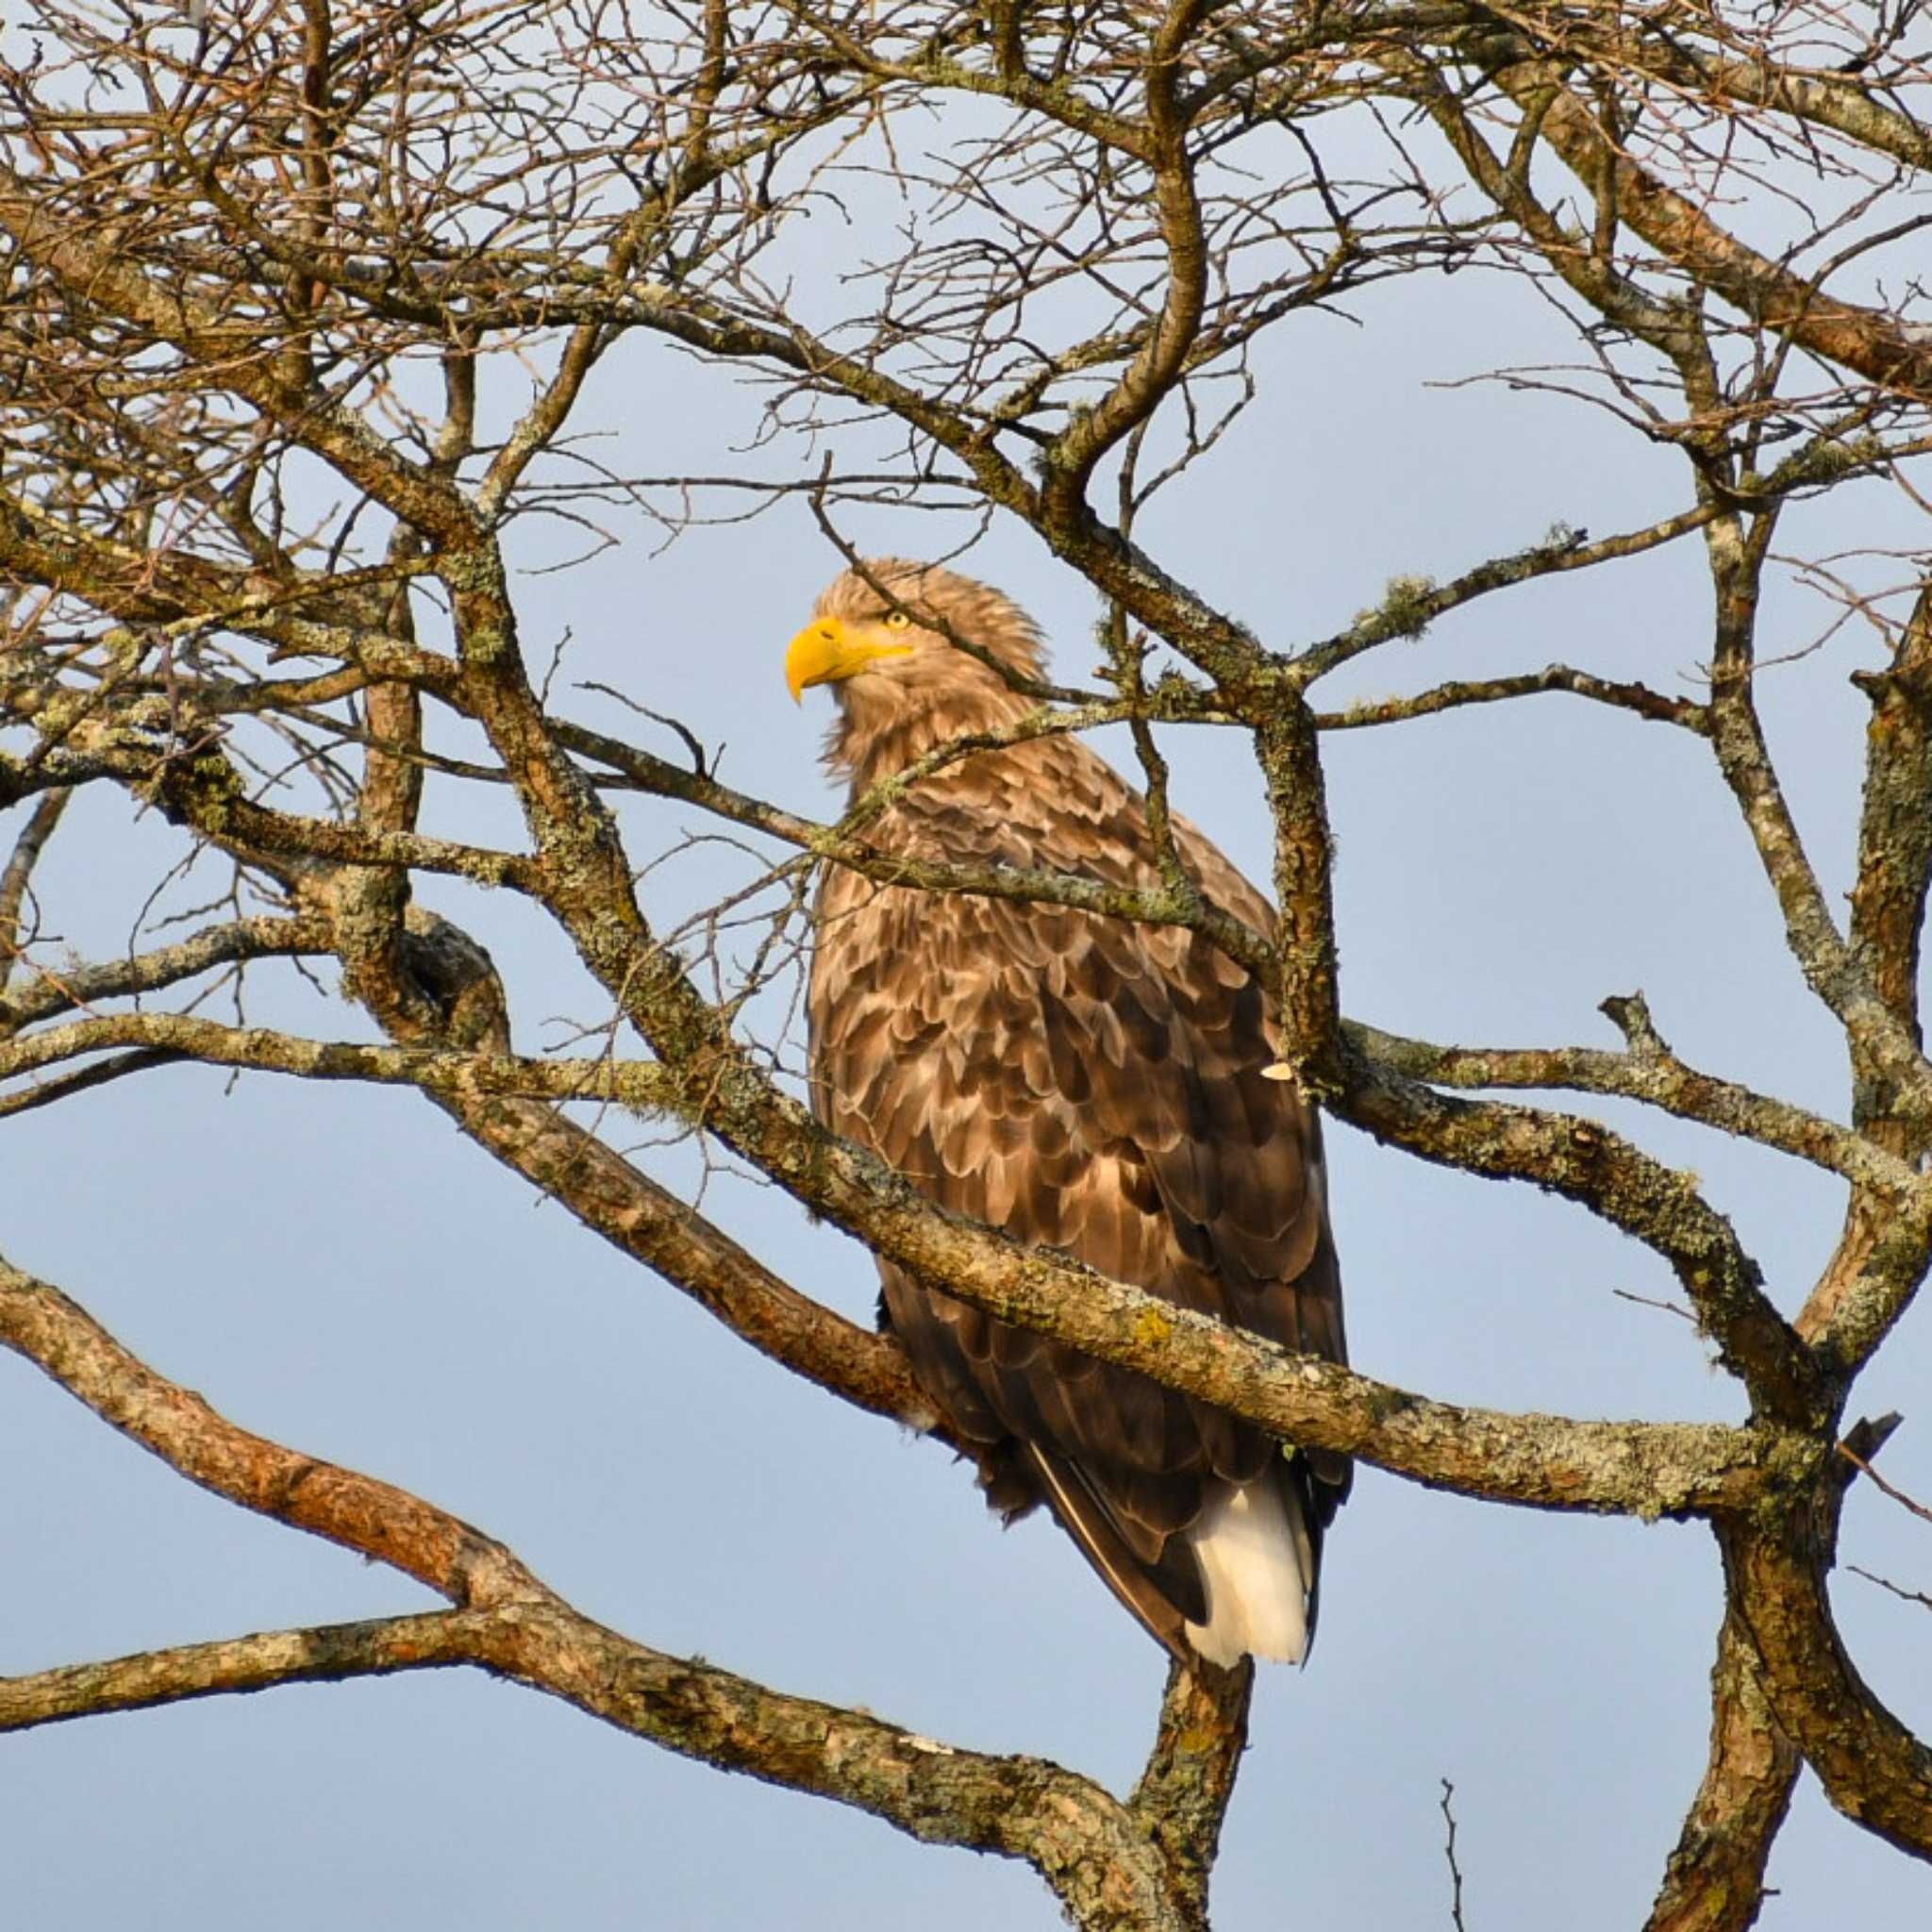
x=1088 y=1085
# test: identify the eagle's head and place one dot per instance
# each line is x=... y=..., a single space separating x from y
x=895 y=654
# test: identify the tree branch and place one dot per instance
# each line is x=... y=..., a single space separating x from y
x=1584 y=1161
x=17 y=875
x=269 y=936
x=1715 y=1879
x=1872 y=1769
x=1869 y=341
x=1639 y=1468
x=1183 y=1794
x=1649 y=1071
x=1096 y=1856
x=370 y=1517
x=324 y=1654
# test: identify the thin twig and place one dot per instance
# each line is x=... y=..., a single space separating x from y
x=1449 y=1852
x=1897 y=1496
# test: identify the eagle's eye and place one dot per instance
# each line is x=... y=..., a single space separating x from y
x=897 y=620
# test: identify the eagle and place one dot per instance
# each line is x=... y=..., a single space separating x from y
x=1091 y=1086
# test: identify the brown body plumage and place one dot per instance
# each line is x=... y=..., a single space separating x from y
x=1088 y=1085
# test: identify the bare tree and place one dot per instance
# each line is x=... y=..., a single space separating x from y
x=302 y=298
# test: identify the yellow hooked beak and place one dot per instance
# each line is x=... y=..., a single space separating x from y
x=828 y=649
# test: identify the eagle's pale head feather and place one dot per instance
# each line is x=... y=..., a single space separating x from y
x=896 y=665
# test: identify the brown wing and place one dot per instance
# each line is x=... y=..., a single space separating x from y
x=1093 y=1086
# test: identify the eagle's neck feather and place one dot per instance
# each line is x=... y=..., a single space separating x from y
x=883 y=729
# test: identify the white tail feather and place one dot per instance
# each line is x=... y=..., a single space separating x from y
x=1256 y=1560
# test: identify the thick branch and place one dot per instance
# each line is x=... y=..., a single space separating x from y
x=1870 y=342
x=1098 y=1858
x=1874 y=1770
x=1162 y=356
x=1082 y=1842
x=1715 y=1879
x=1649 y=1072
x=1874 y=1276
x=327 y=1653
x=1183 y=1794
x=17 y=875
x=1309 y=968
x=1586 y=1162
x=648 y=1223
x=1828 y=963
x=102 y=280
x=1635 y=1468
x=174 y=1423
x=264 y=937
x=1637 y=698
x=1753 y=84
